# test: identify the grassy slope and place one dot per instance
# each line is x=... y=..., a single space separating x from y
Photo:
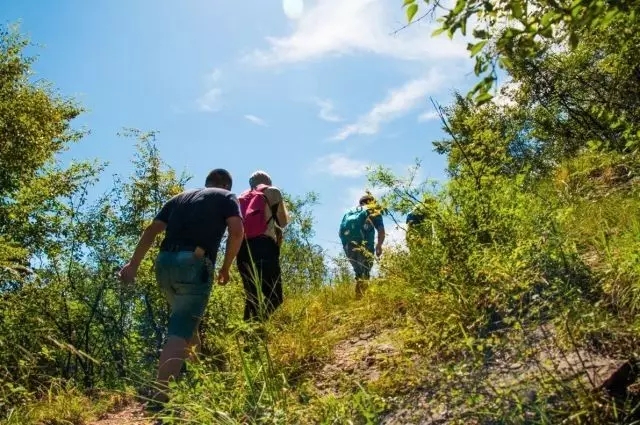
x=333 y=359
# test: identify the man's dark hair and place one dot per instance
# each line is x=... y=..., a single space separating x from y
x=366 y=199
x=219 y=178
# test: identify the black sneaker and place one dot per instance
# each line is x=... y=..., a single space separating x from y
x=153 y=406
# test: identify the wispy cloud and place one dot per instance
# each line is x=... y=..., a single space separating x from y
x=339 y=165
x=338 y=27
x=213 y=76
x=211 y=101
x=398 y=102
x=428 y=116
x=327 y=111
x=255 y=120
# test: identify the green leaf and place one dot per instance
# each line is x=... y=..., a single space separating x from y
x=438 y=31
x=576 y=10
x=483 y=98
x=407 y=2
x=504 y=62
x=411 y=12
x=476 y=48
x=460 y=4
x=608 y=17
x=516 y=9
x=549 y=18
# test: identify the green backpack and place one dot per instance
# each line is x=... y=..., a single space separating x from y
x=353 y=225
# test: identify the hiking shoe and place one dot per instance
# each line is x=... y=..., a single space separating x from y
x=153 y=406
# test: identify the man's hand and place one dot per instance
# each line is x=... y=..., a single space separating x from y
x=378 y=250
x=128 y=273
x=234 y=240
x=223 y=276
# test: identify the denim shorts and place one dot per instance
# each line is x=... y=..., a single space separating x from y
x=185 y=281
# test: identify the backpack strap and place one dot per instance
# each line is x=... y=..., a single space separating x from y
x=273 y=208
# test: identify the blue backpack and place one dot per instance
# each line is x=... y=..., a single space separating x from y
x=353 y=225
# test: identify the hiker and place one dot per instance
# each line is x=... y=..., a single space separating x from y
x=265 y=217
x=357 y=230
x=414 y=220
x=194 y=222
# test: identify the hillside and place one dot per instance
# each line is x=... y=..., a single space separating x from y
x=333 y=359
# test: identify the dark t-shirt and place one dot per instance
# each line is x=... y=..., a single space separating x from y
x=198 y=217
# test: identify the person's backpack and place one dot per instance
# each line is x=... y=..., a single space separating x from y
x=353 y=225
x=415 y=218
x=253 y=204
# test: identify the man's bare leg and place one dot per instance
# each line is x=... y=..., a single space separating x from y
x=172 y=357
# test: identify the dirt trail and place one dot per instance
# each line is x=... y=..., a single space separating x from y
x=133 y=414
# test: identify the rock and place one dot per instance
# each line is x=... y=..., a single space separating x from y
x=617 y=383
x=386 y=348
x=366 y=335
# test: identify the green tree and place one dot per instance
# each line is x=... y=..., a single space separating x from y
x=520 y=28
x=35 y=125
x=303 y=266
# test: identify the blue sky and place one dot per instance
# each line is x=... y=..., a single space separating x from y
x=312 y=99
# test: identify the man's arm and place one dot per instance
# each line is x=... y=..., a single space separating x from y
x=128 y=272
x=381 y=235
x=379 y=225
x=234 y=240
x=282 y=214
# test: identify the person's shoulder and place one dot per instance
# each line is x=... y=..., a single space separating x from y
x=273 y=190
x=374 y=211
x=273 y=193
x=220 y=194
x=215 y=191
x=182 y=195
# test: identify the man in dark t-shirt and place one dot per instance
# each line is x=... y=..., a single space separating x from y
x=194 y=222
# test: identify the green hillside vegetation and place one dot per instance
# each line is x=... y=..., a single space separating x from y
x=516 y=301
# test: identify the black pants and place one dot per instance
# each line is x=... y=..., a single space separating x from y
x=259 y=266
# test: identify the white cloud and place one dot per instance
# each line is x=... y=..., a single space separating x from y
x=398 y=102
x=214 y=76
x=340 y=165
x=428 y=116
x=338 y=27
x=255 y=120
x=210 y=101
x=327 y=112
